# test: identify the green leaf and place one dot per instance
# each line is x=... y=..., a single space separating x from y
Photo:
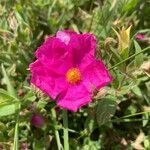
x=5 y=98
x=30 y=96
x=138 y=58
x=145 y=118
x=8 y=104
x=136 y=90
x=105 y=110
x=147 y=142
x=90 y=123
x=125 y=53
x=131 y=4
x=2 y=126
x=41 y=104
x=7 y=110
x=116 y=56
x=10 y=88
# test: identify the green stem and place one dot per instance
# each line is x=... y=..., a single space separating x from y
x=131 y=115
x=16 y=139
x=128 y=116
x=131 y=120
x=65 y=123
x=59 y=145
x=129 y=58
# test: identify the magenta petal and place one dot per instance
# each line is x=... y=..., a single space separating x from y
x=47 y=79
x=81 y=46
x=89 y=43
x=51 y=51
x=53 y=54
x=74 y=97
x=96 y=75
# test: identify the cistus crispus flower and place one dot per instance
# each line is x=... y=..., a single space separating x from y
x=67 y=70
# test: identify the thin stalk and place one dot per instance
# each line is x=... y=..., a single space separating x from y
x=16 y=138
x=50 y=9
x=65 y=123
x=91 y=22
x=128 y=116
x=59 y=145
x=136 y=114
x=131 y=120
x=129 y=58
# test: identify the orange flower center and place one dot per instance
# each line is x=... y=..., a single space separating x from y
x=73 y=75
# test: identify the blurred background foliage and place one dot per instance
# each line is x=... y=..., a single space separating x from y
x=118 y=117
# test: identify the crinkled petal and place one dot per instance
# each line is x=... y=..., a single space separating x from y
x=81 y=46
x=96 y=75
x=53 y=50
x=53 y=54
x=74 y=97
x=47 y=79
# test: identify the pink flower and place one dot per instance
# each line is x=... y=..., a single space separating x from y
x=37 y=120
x=66 y=69
x=139 y=36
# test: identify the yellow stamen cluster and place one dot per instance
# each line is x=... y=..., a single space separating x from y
x=73 y=75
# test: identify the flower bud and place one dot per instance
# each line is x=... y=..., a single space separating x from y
x=139 y=36
x=37 y=120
